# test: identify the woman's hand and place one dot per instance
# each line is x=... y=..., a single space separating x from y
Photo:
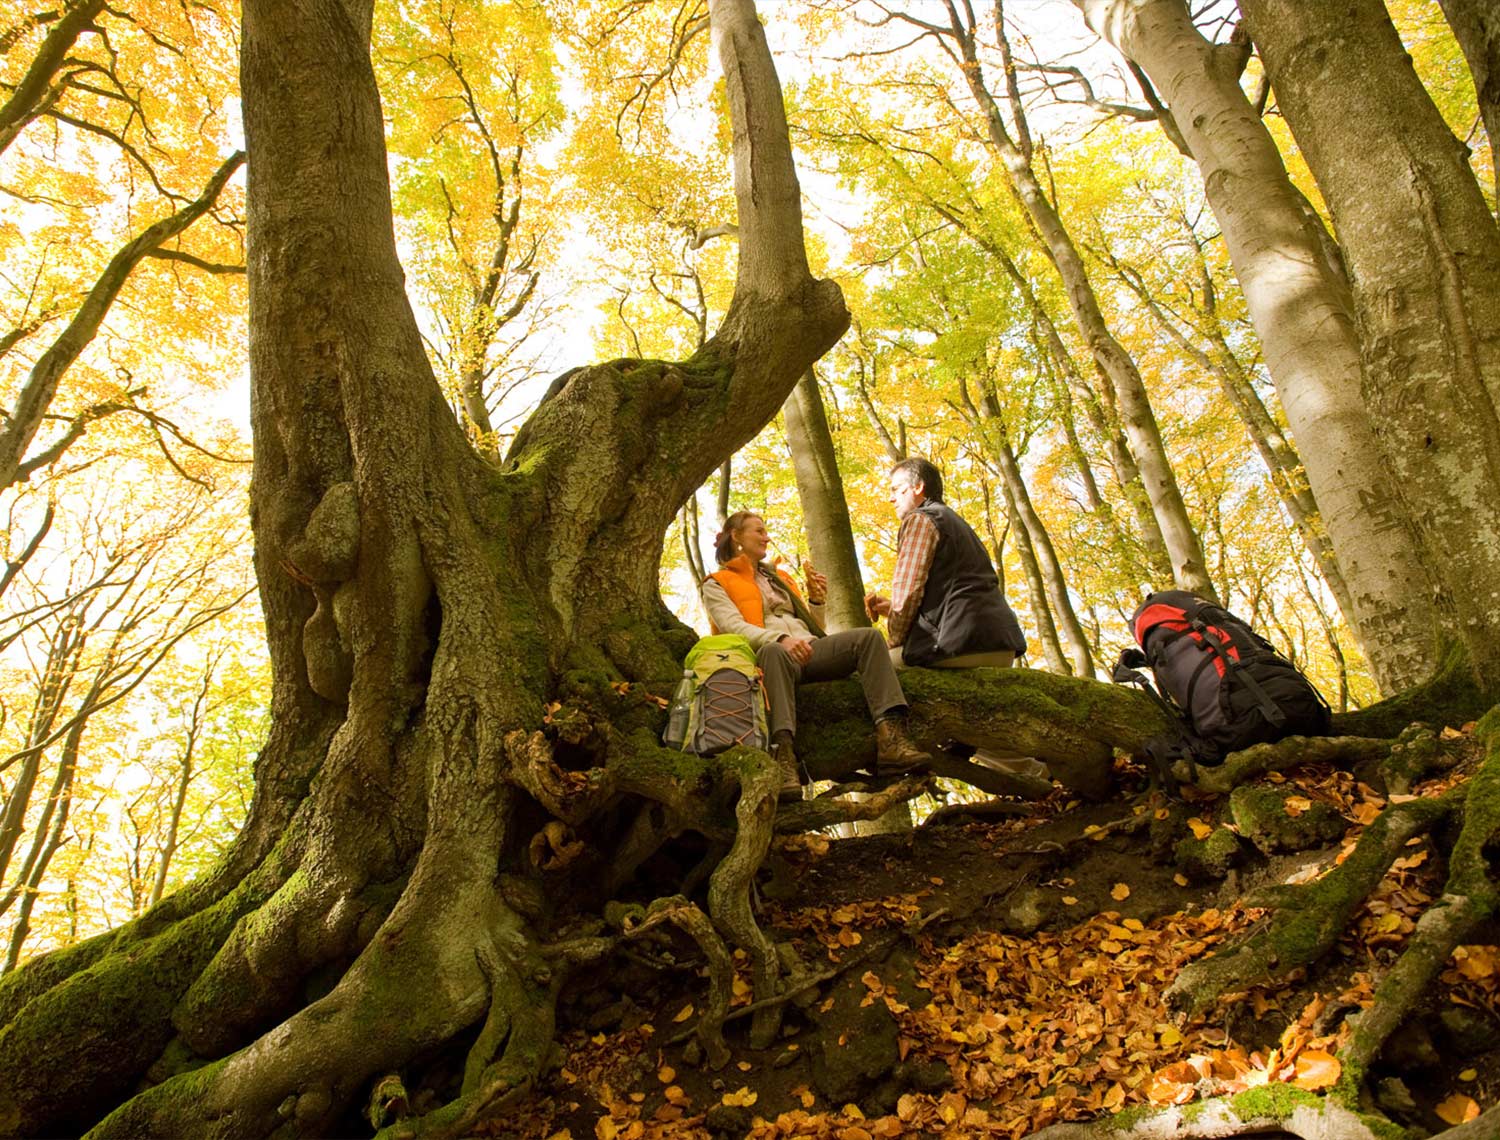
x=799 y=649
x=877 y=606
x=817 y=584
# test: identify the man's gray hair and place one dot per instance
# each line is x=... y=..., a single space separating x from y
x=921 y=471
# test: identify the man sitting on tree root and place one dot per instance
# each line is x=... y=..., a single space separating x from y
x=946 y=610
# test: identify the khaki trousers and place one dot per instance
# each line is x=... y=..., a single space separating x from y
x=833 y=657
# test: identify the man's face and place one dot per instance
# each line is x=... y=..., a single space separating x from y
x=906 y=494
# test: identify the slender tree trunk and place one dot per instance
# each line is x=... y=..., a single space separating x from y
x=725 y=486
x=692 y=547
x=1018 y=500
x=1476 y=26
x=49 y=837
x=1423 y=253
x=825 y=511
x=1105 y=420
x=1282 y=463
x=1110 y=357
x=1081 y=462
x=1304 y=323
x=893 y=452
x=1036 y=588
x=180 y=791
x=57 y=677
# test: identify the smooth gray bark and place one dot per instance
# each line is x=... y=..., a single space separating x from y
x=1283 y=464
x=825 y=511
x=1423 y=254
x=1306 y=328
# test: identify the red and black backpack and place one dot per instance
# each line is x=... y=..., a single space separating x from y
x=1224 y=680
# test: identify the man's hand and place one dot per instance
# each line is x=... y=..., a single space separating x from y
x=798 y=648
x=817 y=584
x=877 y=606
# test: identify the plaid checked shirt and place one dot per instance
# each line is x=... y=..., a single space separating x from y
x=916 y=545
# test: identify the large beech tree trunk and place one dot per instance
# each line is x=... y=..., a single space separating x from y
x=421 y=607
x=825 y=511
x=1423 y=254
x=1302 y=314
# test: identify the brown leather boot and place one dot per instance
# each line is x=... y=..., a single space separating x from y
x=786 y=761
x=895 y=751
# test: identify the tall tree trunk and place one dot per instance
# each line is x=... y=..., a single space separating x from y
x=1476 y=26
x=1018 y=500
x=1110 y=357
x=1282 y=463
x=1101 y=408
x=1423 y=253
x=1036 y=589
x=825 y=511
x=422 y=607
x=1305 y=326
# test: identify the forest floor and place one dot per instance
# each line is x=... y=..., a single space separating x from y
x=991 y=978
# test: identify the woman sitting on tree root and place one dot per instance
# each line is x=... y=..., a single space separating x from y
x=766 y=608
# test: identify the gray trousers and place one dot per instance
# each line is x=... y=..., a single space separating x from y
x=996 y=659
x=833 y=657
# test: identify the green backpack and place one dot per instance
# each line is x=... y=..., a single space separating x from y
x=720 y=701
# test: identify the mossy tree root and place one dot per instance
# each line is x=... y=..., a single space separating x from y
x=729 y=885
x=1469 y=899
x=1258 y=759
x=414 y=985
x=523 y=1013
x=695 y=924
x=1268 y=1109
x=1308 y=919
x=1072 y=724
x=78 y=1046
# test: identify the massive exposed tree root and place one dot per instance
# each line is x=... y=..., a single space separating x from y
x=1308 y=919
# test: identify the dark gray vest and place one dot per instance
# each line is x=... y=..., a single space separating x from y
x=962 y=608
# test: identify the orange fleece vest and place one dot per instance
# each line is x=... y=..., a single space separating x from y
x=738 y=579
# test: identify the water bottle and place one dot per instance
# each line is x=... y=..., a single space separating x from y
x=678 y=712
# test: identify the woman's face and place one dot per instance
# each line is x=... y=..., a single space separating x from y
x=752 y=537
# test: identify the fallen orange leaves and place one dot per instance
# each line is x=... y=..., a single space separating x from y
x=1458 y=1109
x=1317 y=1069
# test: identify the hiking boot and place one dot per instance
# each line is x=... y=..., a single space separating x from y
x=786 y=763
x=894 y=750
